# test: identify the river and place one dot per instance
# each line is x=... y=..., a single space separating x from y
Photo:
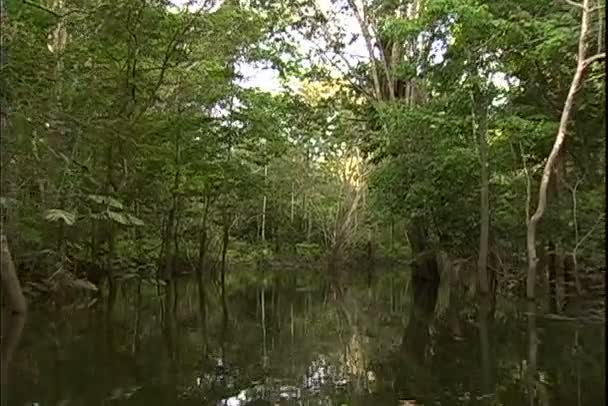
x=300 y=338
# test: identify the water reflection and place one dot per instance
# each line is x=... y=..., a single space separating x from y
x=277 y=338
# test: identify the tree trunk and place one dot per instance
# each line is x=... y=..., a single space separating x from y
x=482 y=130
x=168 y=251
x=202 y=247
x=293 y=202
x=568 y=266
x=12 y=327
x=367 y=36
x=532 y=222
x=425 y=260
x=391 y=243
x=109 y=182
x=484 y=344
x=10 y=282
x=225 y=241
x=171 y=230
x=532 y=353
x=552 y=271
x=264 y=200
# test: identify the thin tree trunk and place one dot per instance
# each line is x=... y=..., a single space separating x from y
x=293 y=202
x=10 y=282
x=532 y=223
x=108 y=186
x=308 y=226
x=202 y=248
x=481 y=128
x=576 y=239
x=392 y=235
x=176 y=252
x=137 y=327
x=225 y=241
x=171 y=230
x=263 y=232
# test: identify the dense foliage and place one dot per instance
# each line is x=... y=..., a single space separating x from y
x=131 y=143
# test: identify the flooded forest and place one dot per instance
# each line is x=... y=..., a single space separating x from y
x=303 y=202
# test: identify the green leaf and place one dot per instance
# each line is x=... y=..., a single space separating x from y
x=58 y=214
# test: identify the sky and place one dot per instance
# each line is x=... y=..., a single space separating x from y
x=267 y=78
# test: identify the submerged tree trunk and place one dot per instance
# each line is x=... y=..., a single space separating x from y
x=532 y=222
x=12 y=327
x=532 y=354
x=485 y=310
x=11 y=287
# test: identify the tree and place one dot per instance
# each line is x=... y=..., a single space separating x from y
x=582 y=63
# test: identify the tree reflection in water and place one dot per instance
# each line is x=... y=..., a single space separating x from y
x=318 y=341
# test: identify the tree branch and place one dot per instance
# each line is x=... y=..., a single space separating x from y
x=370 y=48
x=588 y=234
x=575 y=4
x=54 y=13
x=577 y=79
x=43 y=8
x=593 y=58
x=581 y=6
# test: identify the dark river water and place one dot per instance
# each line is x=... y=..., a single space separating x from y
x=297 y=338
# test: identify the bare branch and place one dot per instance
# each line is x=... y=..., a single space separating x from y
x=387 y=72
x=598 y=221
x=43 y=8
x=351 y=81
x=370 y=47
x=575 y=4
x=593 y=58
